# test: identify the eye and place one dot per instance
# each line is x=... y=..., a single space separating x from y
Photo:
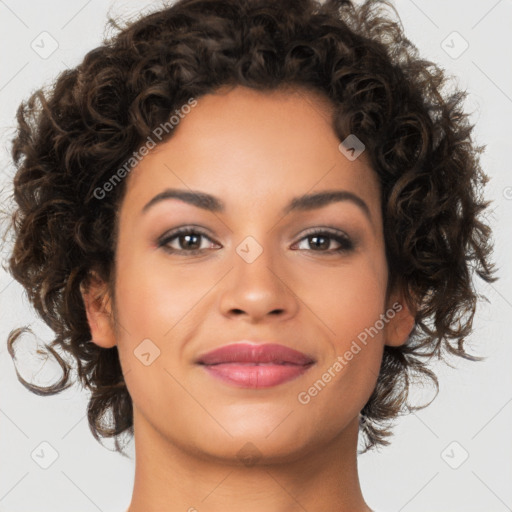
x=188 y=240
x=185 y=240
x=322 y=239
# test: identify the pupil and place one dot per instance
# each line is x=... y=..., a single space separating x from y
x=187 y=237
x=324 y=245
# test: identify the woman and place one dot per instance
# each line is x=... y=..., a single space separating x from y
x=250 y=223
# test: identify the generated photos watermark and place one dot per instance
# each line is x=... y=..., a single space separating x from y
x=304 y=397
x=158 y=132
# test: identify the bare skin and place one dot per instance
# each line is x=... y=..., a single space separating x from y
x=255 y=152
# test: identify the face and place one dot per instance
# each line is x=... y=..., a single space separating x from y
x=259 y=263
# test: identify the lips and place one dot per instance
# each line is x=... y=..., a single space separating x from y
x=255 y=365
x=253 y=353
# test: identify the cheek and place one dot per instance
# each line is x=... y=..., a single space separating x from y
x=153 y=295
x=349 y=300
x=346 y=377
x=159 y=311
x=152 y=309
x=349 y=306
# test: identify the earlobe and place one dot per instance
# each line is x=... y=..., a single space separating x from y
x=400 y=324
x=99 y=313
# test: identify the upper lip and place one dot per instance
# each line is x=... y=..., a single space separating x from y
x=247 y=352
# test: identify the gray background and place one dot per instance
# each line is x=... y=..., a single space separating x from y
x=422 y=470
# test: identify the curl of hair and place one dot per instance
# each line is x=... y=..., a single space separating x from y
x=72 y=138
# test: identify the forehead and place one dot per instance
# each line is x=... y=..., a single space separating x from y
x=247 y=146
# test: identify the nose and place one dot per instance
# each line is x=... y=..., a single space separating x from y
x=259 y=290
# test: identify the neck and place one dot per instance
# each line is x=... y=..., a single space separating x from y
x=169 y=478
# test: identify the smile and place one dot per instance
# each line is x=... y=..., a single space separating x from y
x=255 y=365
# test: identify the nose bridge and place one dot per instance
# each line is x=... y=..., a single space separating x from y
x=256 y=286
x=254 y=262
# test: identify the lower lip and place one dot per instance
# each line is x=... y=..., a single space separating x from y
x=255 y=375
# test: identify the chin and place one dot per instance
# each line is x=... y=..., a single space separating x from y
x=250 y=443
x=252 y=451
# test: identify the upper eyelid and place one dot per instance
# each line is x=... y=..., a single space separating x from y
x=173 y=233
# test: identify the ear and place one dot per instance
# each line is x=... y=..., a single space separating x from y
x=401 y=321
x=98 y=309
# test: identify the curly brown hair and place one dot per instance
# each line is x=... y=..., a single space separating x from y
x=71 y=138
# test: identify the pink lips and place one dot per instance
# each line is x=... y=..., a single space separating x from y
x=255 y=365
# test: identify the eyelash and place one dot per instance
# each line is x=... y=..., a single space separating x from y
x=346 y=244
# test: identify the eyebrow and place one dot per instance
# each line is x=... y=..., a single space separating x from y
x=301 y=203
